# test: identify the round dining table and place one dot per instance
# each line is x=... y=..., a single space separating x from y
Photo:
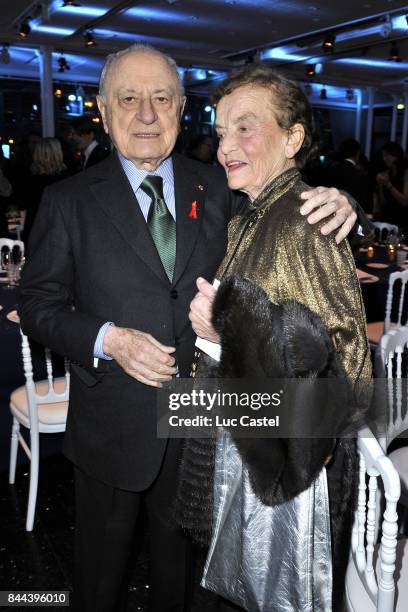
x=377 y=264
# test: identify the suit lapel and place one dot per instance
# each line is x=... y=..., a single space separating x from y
x=115 y=195
x=189 y=190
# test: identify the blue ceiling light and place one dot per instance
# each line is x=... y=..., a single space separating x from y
x=105 y=33
x=290 y=52
x=22 y=54
x=281 y=53
x=332 y=95
x=155 y=14
x=372 y=63
x=72 y=97
x=200 y=74
x=195 y=74
x=400 y=22
x=207 y=108
x=46 y=29
x=76 y=9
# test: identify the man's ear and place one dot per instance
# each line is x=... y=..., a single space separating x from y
x=102 y=109
x=296 y=136
x=182 y=105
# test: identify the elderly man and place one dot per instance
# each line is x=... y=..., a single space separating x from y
x=114 y=257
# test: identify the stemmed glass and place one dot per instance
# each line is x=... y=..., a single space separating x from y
x=12 y=263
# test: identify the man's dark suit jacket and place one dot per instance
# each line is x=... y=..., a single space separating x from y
x=352 y=179
x=92 y=260
x=98 y=154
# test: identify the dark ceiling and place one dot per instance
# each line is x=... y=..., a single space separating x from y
x=208 y=37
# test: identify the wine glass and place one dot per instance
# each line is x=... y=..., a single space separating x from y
x=9 y=264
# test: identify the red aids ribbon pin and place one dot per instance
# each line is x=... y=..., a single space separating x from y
x=193 y=211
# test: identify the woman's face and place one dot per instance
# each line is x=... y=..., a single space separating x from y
x=253 y=149
x=389 y=159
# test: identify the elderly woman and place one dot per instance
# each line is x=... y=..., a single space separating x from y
x=265 y=129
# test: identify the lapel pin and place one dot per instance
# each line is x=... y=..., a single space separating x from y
x=200 y=187
x=194 y=208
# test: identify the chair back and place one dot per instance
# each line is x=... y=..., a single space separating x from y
x=374 y=465
x=402 y=318
x=384 y=230
x=392 y=364
x=52 y=395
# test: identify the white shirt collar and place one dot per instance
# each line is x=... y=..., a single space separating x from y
x=137 y=176
x=89 y=149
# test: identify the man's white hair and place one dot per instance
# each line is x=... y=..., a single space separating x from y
x=135 y=48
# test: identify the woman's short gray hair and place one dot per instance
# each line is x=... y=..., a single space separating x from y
x=137 y=48
x=289 y=103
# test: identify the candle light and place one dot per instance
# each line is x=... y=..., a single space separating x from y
x=370 y=252
x=391 y=252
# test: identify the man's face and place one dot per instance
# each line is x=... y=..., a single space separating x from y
x=82 y=141
x=142 y=109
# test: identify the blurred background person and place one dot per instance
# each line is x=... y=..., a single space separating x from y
x=84 y=136
x=72 y=157
x=391 y=198
x=349 y=175
x=48 y=167
x=201 y=148
x=6 y=190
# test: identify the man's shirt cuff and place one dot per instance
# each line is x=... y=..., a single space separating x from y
x=98 y=346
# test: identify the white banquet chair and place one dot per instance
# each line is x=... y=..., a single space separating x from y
x=40 y=407
x=377 y=329
x=383 y=231
x=391 y=365
x=7 y=246
x=377 y=574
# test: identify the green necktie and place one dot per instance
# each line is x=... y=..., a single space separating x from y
x=161 y=224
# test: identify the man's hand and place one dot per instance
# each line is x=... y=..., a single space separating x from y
x=200 y=311
x=329 y=201
x=140 y=355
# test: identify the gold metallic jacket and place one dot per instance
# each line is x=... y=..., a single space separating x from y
x=277 y=248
